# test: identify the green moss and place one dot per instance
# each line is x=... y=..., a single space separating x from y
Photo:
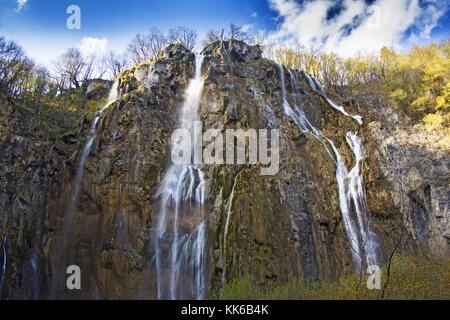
x=149 y=178
x=141 y=65
x=223 y=181
x=116 y=157
x=259 y=62
x=145 y=252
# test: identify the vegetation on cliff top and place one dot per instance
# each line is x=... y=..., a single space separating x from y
x=417 y=81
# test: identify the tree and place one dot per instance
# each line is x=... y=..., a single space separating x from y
x=183 y=35
x=147 y=47
x=258 y=38
x=330 y=70
x=236 y=33
x=73 y=69
x=158 y=41
x=139 y=49
x=213 y=35
x=388 y=61
x=115 y=63
x=41 y=79
x=15 y=68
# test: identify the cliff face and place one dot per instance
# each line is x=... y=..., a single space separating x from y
x=417 y=175
x=270 y=227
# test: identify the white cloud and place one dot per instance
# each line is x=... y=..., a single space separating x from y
x=93 y=46
x=20 y=4
x=255 y=15
x=358 y=27
x=246 y=27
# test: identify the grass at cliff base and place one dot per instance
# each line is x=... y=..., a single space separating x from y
x=412 y=277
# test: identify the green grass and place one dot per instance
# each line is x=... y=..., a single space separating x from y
x=412 y=277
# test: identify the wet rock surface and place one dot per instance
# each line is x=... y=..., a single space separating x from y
x=280 y=226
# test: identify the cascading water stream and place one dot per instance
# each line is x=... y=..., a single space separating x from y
x=363 y=241
x=298 y=115
x=316 y=86
x=70 y=209
x=49 y=158
x=311 y=83
x=112 y=97
x=225 y=233
x=35 y=276
x=3 y=265
x=227 y=56
x=180 y=254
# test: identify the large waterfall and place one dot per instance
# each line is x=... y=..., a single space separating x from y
x=180 y=237
x=363 y=242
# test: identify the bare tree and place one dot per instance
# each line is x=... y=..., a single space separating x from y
x=236 y=33
x=158 y=41
x=397 y=244
x=258 y=38
x=147 y=47
x=115 y=63
x=72 y=69
x=213 y=35
x=183 y=35
x=93 y=68
x=139 y=49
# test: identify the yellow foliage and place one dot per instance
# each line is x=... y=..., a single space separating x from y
x=443 y=101
x=435 y=120
x=399 y=94
x=417 y=80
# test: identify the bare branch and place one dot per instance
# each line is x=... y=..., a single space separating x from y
x=183 y=35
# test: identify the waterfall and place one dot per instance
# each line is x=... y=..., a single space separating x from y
x=363 y=242
x=113 y=96
x=35 y=277
x=298 y=115
x=225 y=233
x=3 y=265
x=311 y=83
x=70 y=209
x=192 y=260
x=317 y=87
x=180 y=248
x=227 y=56
x=49 y=158
x=344 y=203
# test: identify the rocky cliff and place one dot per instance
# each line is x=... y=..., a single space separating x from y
x=270 y=227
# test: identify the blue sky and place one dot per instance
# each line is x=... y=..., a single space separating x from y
x=343 y=26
